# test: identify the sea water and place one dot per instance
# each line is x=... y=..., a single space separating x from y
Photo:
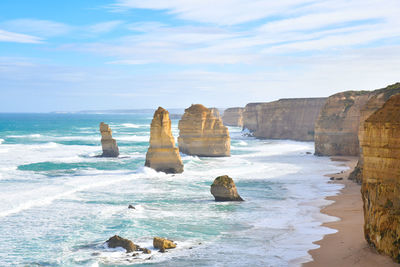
x=59 y=203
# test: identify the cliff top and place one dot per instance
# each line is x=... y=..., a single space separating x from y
x=390 y=112
x=282 y=100
x=196 y=108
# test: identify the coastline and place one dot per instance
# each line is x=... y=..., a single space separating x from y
x=347 y=247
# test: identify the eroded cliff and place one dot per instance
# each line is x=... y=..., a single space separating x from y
x=341 y=119
x=381 y=178
x=202 y=134
x=283 y=119
x=233 y=117
x=162 y=154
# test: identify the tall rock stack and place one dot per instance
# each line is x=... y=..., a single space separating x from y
x=381 y=178
x=109 y=145
x=162 y=154
x=233 y=117
x=202 y=134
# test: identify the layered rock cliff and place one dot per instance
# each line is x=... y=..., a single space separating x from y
x=108 y=144
x=376 y=101
x=341 y=118
x=283 y=119
x=381 y=178
x=215 y=112
x=233 y=117
x=202 y=134
x=162 y=154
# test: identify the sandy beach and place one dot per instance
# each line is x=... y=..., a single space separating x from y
x=347 y=247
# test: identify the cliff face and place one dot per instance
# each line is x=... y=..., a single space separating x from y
x=283 y=119
x=381 y=178
x=162 y=154
x=341 y=120
x=202 y=134
x=233 y=117
x=108 y=144
x=215 y=112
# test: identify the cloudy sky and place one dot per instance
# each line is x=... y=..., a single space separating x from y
x=125 y=54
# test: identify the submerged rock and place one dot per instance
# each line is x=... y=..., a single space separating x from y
x=203 y=134
x=117 y=241
x=224 y=189
x=163 y=244
x=162 y=154
x=109 y=145
x=381 y=178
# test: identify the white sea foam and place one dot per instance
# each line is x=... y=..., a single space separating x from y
x=132 y=125
x=1 y=141
x=133 y=138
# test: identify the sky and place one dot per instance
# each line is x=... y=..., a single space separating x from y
x=130 y=54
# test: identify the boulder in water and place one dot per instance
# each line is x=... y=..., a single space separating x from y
x=224 y=189
x=117 y=241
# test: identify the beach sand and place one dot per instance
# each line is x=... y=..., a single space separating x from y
x=347 y=247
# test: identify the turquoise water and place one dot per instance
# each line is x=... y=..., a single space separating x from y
x=59 y=202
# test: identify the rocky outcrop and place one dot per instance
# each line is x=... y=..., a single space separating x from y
x=117 y=241
x=224 y=189
x=381 y=178
x=233 y=117
x=162 y=154
x=215 y=112
x=162 y=243
x=283 y=119
x=202 y=134
x=109 y=145
x=340 y=122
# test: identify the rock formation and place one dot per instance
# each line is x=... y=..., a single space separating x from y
x=202 y=134
x=109 y=145
x=283 y=119
x=381 y=178
x=215 y=112
x=117 y=241
x=224 y=189
x=233 y=117
x=162 y=154
x=342 y=117
x=162 y=243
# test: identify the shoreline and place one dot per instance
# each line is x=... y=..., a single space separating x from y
x=347 y=247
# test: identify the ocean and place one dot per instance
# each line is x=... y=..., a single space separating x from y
x=59 y=203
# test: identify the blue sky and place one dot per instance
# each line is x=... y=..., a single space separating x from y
x=125 y=54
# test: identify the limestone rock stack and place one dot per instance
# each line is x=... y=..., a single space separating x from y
x=215 y=112
x=162 y=154
x=340 y=122
x=381 y=178
x=292 y=118
x=233 y=117
x=202 y=134
x=109 y=145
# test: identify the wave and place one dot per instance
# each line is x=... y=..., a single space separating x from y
x=134 y=138
x=132 y=125
x=1 y=141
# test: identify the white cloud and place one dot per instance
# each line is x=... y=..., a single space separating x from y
x=6 y=36
x=104 y=27
x=43 y=28
x=221 y=12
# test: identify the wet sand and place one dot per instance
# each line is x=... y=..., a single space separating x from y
x=347 y=247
